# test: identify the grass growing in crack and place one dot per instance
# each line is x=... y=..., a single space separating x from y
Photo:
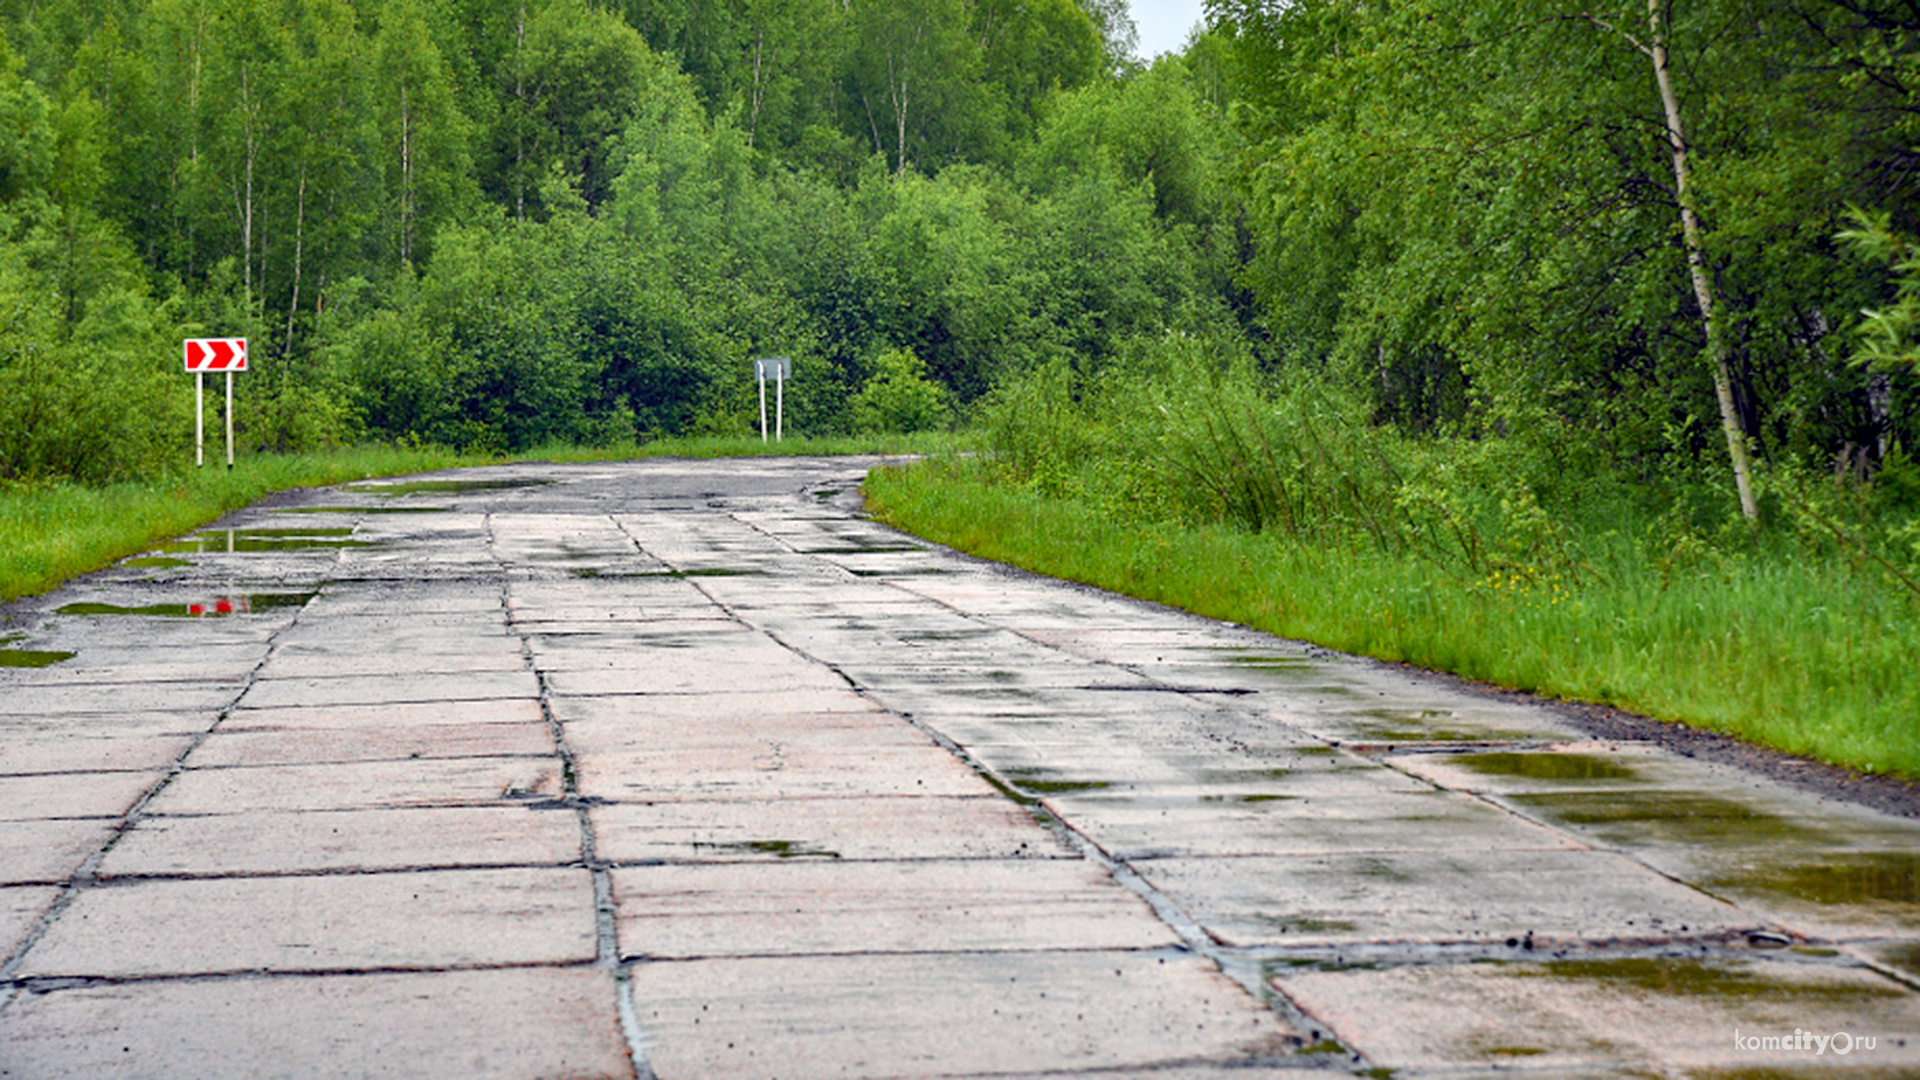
x=1785 y=651
x=52 y=532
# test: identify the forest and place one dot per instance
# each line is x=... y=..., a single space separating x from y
x=491 y=224
x=1485 y=313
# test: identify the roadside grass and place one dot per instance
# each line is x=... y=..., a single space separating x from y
x=52 y=532
x=1815 y=658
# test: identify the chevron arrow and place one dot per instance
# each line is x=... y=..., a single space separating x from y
x=216 y=354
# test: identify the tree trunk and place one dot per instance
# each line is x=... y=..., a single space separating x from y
x=299 y=251
x=1697 y=268
x=406 y=178
x=1880 y=411
x=246 y=209
x=520 y=120
x=759 y=86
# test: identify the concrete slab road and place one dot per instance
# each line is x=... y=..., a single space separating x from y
x=686 y=770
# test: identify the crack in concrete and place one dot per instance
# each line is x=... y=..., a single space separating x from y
x=606 y=929
x=40 y=984
x=84 y=877
x=1193 y=936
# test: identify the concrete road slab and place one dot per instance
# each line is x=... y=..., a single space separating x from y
x=326 y=640
x=1063 y=764
x=429 y=714
x=62 y=749
x=392 y=689
x=283 y=842
x=1543 y=897
x=994 y=1013
x=1140 y=827
x=413 y=920
x=329 y=745
x=456 y=1025
x=21 y=909
x=677 y=675
x=62 y=700
x=478 y=599
x=714 y=704
x=361 y=784
x=726 y=734
x=804 y=906
x=843 y=828
x=73 y=795
x=612 y=651
x=130 y=723
x=778 y=770
x=50 y=851
x=225 y=676
x=1661 y=1015
x=313 y=664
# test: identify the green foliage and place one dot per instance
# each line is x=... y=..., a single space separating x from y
x=1468 y=210
x=1887 y=335
x=898 y=396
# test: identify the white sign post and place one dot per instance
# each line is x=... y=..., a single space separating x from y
x=212 y=354
x=781 y=368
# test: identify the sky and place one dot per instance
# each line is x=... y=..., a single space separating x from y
x=1163 y=24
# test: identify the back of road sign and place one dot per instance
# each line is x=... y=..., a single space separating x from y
x=779 y=368
x=216 y=354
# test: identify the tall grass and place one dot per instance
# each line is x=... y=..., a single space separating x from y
x=1486 y=557
x=49 y=533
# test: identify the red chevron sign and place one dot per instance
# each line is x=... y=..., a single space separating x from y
x=216 y=354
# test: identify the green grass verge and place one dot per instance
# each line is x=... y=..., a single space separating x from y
x=49 y=533
x=1809 y=659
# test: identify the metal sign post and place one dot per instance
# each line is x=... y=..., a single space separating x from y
x=212 y=354
x=781 y=368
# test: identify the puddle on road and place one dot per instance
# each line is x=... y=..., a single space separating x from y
x=216 y=607
x=779 y=849
x=875 y=548
x=255 y=540
x=1169 y=688
x=443 y=487
x=1730 y=981
x=1548 y=766
x=1424 y=726
x=1271 y=970
x=1306 y=924
x=1904 y=957
x=32 y=658
x=1241 y=657
x=1840 y=879
x=1632 y=818
x=950 y=635
x=1035 y=781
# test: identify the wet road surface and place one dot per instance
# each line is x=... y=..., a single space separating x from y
x=685 y=770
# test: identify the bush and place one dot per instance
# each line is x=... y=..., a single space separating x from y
x=898 y=396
